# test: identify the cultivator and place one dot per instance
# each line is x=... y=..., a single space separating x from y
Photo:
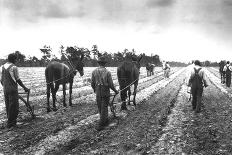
x=30 y=108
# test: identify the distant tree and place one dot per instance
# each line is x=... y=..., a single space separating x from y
x=118 y=57
x=206 y=63
x=33 y=61
x=63 y=52
x=2 y=61
x=156 y=59
x=21 y=58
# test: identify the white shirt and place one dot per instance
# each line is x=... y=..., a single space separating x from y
x=13 y=71
x=225 y=67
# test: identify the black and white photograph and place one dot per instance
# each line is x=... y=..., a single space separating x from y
x=115 y=77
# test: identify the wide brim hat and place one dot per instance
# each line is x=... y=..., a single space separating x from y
x=102 y=60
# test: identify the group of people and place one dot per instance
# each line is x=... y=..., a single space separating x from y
x=101 y=83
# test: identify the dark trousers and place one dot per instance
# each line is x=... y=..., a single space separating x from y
x=102 y=103
x=228 y=79
x=197 y=96
x=12 y=107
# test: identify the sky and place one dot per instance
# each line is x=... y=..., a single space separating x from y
x=176 y=30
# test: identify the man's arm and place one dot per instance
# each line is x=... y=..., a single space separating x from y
x=16 y=76
x=110 y=82
x=22 y=85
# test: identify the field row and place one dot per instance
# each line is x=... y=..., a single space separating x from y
x=38 y=88
x=146 y=89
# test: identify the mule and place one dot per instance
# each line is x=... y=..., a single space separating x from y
x=150 y=69
x=128 y=75
x=222 y=73
x=60 y=73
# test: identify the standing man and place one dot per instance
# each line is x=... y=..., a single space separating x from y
x=166 y=68
x=10 y=79
x=227 y=69
x=101 y=83
x=197 y=82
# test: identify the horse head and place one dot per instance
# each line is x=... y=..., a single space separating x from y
x=136 y=61
x=78 y=64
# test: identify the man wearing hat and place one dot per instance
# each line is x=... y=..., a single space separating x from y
x=101 y=82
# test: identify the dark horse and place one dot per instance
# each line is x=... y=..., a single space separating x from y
x=222 y=73
x=128 y=74
x=60 y=73
x=150 y=69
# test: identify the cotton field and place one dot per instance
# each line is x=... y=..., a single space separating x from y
x=163 y=121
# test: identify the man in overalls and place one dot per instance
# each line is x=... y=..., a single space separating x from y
x=197 y=82
x=101 y=82
x=227 y=69
x=10 y=79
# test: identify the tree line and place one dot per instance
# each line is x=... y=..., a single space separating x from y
x=90 y=57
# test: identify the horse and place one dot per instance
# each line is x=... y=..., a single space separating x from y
x=60 y=73
x=150 y=69
x=128 y=75
x=222 y=73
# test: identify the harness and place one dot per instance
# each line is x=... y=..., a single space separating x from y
x=197 y=79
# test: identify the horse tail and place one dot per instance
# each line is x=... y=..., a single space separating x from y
x=49 y=78
x=122 y=80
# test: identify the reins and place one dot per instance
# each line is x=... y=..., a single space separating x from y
x=128 y=85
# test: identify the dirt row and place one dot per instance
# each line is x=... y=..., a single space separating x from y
x=216 y=73
x=131 y=132
x=208 y=132
x=31 y=132
x=39 y=102
x=166 y=124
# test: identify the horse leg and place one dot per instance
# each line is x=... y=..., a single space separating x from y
x=48 y=97
x=64 y=95
x=224 y=77
x=135 y=92
x=56 y=89
x=53 y=97
x=123 y=98
x=70 y=93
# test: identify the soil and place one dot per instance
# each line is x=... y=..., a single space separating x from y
x=163 y=124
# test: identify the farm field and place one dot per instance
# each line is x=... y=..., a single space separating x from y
x=162 y=122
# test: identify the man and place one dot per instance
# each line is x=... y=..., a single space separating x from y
x=227 y=69
x=10 y=79
x=101 y=82
x=166 y=68
x=197 y=81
